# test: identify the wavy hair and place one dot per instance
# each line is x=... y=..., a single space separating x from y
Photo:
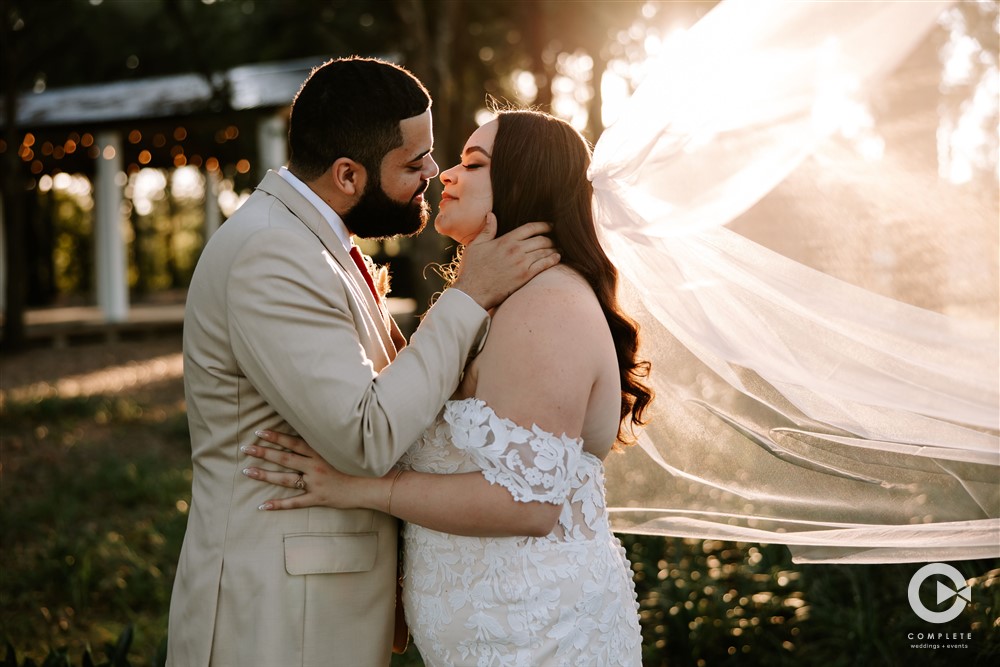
x=538 y=171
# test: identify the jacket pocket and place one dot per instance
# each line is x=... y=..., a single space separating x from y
x=330 y=553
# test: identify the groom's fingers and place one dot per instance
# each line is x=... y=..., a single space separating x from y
x=491 y=270
x=534 y=243
x=529 y=229
x=489 y=230
x=542 y=259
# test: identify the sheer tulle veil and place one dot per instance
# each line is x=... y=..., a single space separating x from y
x=791 y=407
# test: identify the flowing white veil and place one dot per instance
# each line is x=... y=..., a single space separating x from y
x=791 y=407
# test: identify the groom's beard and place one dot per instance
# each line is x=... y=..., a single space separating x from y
x=378 y=216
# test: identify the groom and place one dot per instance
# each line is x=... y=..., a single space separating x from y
x=285 y=330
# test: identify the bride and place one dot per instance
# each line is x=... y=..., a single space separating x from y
x=509 y=555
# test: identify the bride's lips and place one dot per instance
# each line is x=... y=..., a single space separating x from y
x=445 y=197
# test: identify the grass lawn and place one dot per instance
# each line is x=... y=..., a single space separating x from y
x=94 y=489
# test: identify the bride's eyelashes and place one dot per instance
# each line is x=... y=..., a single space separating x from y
x=472 y=166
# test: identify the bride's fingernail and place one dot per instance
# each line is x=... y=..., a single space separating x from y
x=265 y=506
x=261 y=433
x=248 y=472
x=247 y=449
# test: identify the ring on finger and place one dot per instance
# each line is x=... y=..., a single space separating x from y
x=300 y=483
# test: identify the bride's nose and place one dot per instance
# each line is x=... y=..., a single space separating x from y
x=447 y=176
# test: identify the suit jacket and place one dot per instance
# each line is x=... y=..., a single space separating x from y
x=281 y=332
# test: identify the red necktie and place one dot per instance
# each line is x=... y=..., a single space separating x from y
x=356 y=256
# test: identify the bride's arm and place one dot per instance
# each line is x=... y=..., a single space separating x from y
x=460 y=504
x=537 y=368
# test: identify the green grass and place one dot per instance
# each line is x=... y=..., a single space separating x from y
x=94 y=493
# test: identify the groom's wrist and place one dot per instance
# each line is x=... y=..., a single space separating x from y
x=466 y=293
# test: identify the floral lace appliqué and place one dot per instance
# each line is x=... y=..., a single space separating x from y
x=533 y=465
x=563 y=599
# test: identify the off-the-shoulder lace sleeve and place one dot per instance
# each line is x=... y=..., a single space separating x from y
x=533 y=464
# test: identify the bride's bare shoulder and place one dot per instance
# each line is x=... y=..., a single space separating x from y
x=555 y=305
x=558 y=287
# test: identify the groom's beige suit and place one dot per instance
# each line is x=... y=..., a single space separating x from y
x=281 y=332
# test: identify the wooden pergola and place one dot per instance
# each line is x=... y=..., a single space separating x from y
x=233 y=122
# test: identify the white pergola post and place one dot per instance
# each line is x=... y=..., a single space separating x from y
x=110 y=262
x=272 y=142
x=213 y=214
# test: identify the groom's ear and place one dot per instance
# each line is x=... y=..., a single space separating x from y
x=348 y=177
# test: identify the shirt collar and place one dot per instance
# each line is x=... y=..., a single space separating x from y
x=334 y=220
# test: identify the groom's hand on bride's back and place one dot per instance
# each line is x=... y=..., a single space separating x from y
x=494 y=268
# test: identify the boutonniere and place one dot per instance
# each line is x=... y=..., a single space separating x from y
x=379 y=274
x=381 y=279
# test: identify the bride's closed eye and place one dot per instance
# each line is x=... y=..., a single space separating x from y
x=472 y=166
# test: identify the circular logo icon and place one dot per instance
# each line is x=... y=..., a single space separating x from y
x=960 y=593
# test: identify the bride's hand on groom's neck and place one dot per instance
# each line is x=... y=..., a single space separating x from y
x=494 y=268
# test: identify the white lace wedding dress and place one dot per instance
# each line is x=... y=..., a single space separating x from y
x=563 y=599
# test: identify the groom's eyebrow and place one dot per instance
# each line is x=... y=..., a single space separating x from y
x=477 y=149
x=421 y=156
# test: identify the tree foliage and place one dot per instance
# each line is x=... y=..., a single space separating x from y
x=464 y=51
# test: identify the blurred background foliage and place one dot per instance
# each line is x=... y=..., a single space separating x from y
x=579 y=59
x=551 y=54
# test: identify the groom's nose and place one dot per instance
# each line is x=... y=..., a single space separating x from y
x=430 y=169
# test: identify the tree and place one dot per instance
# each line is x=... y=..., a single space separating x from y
x=13 y=213
x=463 y=51
x=35 y=40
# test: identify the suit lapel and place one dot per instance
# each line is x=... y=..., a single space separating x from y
x=276 y=186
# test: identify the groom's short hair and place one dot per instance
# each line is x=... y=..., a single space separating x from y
x=351 y=107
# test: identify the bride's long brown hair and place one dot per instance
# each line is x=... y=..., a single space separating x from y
x=539 y=172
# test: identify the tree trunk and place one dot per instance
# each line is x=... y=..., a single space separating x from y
x=14 y=221
x=595 y=122
x=40 y=246
x=543 y=65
